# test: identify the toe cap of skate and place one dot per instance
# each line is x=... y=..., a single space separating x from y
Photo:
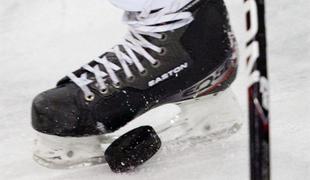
x=53 y=112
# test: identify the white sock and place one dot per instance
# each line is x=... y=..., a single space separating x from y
x=139 y=5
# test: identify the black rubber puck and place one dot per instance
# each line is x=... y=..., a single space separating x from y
x=132 y=149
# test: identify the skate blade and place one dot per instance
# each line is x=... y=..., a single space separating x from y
x=68 y=152
x=208 y=118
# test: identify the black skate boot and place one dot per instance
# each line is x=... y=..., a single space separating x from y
x=172 y=70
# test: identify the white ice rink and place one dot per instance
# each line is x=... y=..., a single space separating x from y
x=43 y=40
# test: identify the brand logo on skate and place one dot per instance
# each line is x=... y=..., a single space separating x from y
x=173 y=72
x=207 y=83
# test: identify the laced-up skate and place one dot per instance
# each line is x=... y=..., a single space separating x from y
x=170 y=72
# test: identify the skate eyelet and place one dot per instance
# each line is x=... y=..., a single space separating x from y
x=104 y=91
x=144 y=72
x=131 y=79
x=164 y=37
x=90 y=97
x=117 y=85
x=163 y=51
x=156 y=64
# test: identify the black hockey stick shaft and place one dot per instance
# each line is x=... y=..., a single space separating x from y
x=258 y=92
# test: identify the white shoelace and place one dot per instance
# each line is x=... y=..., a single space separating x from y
x=146 y=23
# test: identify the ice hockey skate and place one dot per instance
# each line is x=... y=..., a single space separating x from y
x=173 y=71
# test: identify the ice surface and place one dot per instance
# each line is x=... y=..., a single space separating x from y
x=42 y=40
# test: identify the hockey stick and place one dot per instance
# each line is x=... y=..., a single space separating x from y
x=258 y=90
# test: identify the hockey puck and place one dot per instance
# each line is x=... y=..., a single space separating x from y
x=132 y=149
